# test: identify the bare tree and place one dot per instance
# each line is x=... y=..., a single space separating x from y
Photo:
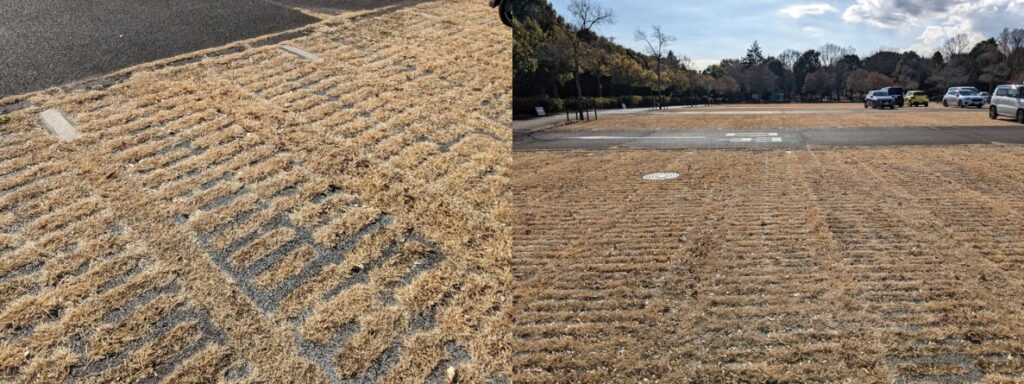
x=1010 y=40
x=585 y=16
x=956 y=45
x=857 y=81
x=1011 y=44
x=788 y=58
x=830 y=54
x=655 y=47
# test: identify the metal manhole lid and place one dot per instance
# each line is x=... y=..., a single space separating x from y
x=661 y=176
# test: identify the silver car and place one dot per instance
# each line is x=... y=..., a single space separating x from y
x=963 y=98
x=1008 y=100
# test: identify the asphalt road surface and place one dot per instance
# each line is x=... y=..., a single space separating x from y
x=767 y=139
x=44 y=43
x=335 y=6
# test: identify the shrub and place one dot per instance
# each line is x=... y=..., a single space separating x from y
x=632 y=101
x=607 y=103
x=528 y=105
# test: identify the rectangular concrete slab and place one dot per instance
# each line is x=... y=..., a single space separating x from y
x=306 y=55
x=55 y=123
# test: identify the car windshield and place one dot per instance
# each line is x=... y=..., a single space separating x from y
x=967 y=93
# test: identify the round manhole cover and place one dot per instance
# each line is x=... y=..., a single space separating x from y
x=661 y=176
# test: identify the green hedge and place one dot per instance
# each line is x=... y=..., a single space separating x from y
x=528 y=105
x=523 y=106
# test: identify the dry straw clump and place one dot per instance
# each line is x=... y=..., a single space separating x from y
x=866 y=265
x=251 y=216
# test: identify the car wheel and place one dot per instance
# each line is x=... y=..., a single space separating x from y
x=926 y=105
x=992 y=114
x=505 y=11
x=979 y=107
x=1020 y=116
x=959 y=104
x=945 y=103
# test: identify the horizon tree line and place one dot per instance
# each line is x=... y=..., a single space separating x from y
x=550 y=52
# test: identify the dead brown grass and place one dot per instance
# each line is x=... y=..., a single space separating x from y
x=783 y=116
x=862 y=265
x=254 y=217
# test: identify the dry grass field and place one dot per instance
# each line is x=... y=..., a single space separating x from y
x=891 y=264
x=783 y=116
x=249 y=216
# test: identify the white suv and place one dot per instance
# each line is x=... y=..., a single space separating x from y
x=1008 y=100
x=963 y=97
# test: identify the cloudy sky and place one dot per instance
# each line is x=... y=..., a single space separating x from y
x=709 y=31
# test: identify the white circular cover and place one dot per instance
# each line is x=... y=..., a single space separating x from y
x=661 y=176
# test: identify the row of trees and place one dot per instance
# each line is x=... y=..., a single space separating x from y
x=557 y=58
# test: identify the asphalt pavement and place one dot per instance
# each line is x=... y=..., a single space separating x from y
x=766 y=139
x=335 y=6
x=45 y=43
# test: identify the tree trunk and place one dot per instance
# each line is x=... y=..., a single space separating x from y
x=579 y=92
x=659 y=83
x=576 y=79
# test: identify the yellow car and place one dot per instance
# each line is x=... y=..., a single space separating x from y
x=915 y=98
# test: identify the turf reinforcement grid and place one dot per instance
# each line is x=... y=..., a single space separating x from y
x=247 y=215
x=901 y=264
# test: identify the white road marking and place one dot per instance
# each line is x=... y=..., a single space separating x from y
x=639 y=138
x=752 y=134
x=754 y=139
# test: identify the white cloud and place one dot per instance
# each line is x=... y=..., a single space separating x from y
x=701 y=64
x=813 y=31
x=801 y=10
x=937 y=20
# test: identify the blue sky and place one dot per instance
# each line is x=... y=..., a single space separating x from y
x=709 y=31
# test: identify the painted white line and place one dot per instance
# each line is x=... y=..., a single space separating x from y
x=638 y=138
x=58 y=125
x=300 y=53
x=753 y=139
x=752 y=134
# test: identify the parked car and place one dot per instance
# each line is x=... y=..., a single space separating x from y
x=504 y=10
x=963 y=98
x=896 y=93
x=987 y=96
x=915 y=98
x=1008 y=100
x=973 y=89
x=879 y=99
